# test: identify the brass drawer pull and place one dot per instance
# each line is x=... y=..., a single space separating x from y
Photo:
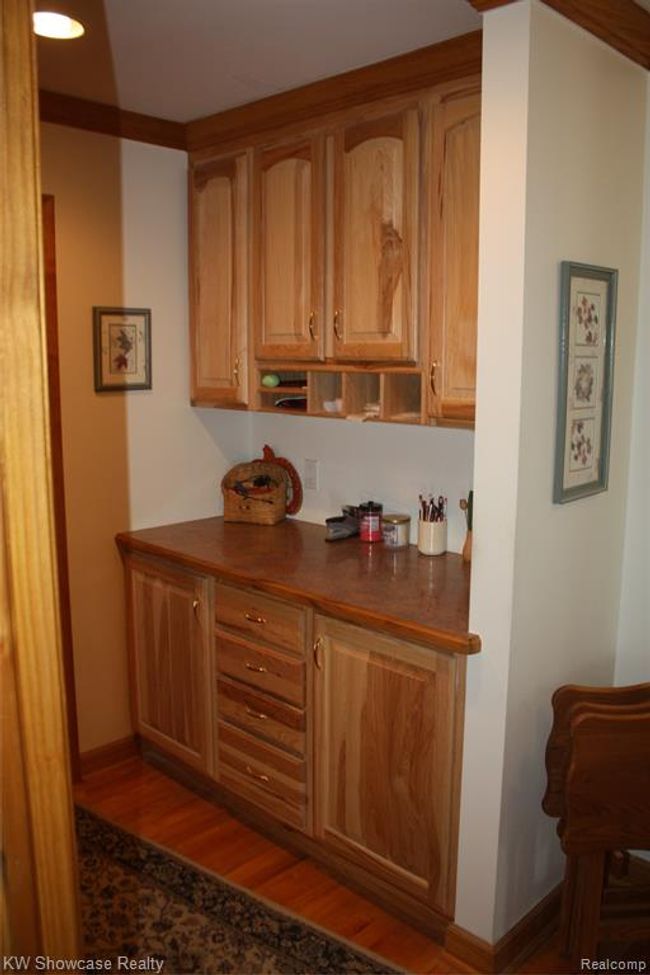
x=337 y=325
x=432 y=378
x=312 y=332
x=252 y=618
x=257 y=775
x=257 y=670
x=257 y=714
x=317 y=657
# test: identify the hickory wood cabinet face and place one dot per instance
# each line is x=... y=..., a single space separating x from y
x=375 y=238
x=371 y=269
x=169 y=657
x=219 y=281
x=387 y=760
x=455 y=136
x=288 y=230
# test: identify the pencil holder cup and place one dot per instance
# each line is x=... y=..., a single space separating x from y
x=432 y=537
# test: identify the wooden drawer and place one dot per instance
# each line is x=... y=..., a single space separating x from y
x=270 y=620
x=262 y=774
x=270 y=671
x=264 y=716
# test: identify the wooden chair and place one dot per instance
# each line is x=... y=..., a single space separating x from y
x=598 y=765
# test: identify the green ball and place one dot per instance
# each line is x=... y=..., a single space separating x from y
x=271 y=380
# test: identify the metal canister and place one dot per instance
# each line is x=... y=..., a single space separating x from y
x=370 y=521
x=396 y=530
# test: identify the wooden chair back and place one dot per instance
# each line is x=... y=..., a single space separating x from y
x=568 y=702
x=607 y=790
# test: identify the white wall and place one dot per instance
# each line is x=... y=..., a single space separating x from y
x=584 y=142
x=504 y=121
x=387 y=462
x=633 y=645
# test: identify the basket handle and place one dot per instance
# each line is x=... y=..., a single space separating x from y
x=294 y=504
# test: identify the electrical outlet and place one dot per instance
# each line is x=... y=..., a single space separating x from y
x=311 y=474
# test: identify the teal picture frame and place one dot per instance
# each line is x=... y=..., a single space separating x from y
x=588 y=296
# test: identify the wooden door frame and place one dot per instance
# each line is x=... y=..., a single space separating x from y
x=30 y=633
x=58 y=482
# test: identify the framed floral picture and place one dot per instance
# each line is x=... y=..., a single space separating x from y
x=584 y=411
x=122 y=348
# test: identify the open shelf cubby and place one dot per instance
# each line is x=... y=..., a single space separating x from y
x=374 y=394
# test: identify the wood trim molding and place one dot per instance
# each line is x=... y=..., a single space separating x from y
x=104 y=756
x=515 y=945
x=449 y=60
x=32 y=636
x=79 y=113
x=58 y=485
x=622 y=24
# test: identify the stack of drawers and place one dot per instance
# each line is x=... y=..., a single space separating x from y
x=261 y=697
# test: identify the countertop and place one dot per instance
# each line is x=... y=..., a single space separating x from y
x=397 y=591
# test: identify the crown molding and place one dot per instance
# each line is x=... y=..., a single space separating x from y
x=110 y=120
x=450 y=60
x=622 y=24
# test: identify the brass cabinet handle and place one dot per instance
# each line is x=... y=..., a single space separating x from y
x=316 y=649
x=257 y=775
x=337 y=326
x=253 y=618
x=432 y=378
x=258 y=670
x=257 y=714
x=195 y=606
x=310 y=325
x=235 y=371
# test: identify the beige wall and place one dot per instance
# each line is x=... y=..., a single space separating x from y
x=131 y=459
x=565 y=118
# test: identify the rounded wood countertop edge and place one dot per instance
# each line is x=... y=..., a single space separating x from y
x=446 y=641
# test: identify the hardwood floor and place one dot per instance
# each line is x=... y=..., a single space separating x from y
x=143 y=800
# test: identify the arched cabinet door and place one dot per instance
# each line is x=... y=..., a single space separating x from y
x=219 y=281
x=288 y=215
x=375 y=252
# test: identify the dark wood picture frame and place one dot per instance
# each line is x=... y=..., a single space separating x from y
x=121 y=349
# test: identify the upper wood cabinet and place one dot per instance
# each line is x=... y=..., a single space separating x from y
x=375 y=237
x=219 y=281
x=362 y=233
x=169 y=623
x=454 y=210
x=387 y=756
x=288 y=230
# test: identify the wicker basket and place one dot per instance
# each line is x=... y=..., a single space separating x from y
x=255 y=492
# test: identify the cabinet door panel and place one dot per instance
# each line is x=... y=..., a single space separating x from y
x=169 y=660
x=375 y=238
x=288 y=251
x=454 y=298
x=219 y=272
x=385 y=758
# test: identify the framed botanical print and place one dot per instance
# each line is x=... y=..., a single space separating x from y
x=122 y=348
x=584 y=410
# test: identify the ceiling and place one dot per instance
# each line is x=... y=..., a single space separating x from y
x=185 y=59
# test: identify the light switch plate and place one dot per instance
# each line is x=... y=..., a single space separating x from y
x=311 y=474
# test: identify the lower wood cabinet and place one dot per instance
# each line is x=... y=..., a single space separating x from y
x=355 y=745
x=387 y=726
x=168 y=611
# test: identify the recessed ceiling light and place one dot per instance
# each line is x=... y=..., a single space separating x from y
x=49 y=24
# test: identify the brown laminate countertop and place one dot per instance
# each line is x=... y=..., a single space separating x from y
x=398 y=591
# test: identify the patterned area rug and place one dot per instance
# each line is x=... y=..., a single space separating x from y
x=141 y=903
